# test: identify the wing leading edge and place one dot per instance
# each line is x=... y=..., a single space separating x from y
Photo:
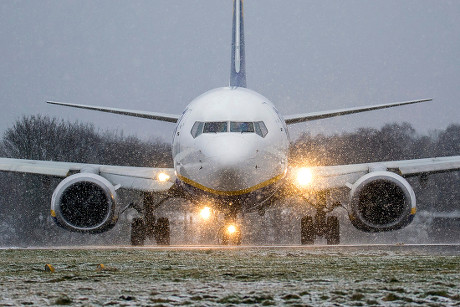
x=298 y=118
x=340 y=176
x=144 y=179
x=172 y=118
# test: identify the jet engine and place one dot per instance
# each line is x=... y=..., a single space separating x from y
x=381 y=201
x=84 y=202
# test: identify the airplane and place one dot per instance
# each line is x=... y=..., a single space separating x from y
x=230 y=151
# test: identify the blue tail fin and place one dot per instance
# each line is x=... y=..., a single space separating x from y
x=238 y=69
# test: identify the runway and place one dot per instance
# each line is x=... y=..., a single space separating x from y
x=453 y=249
x=382 y=275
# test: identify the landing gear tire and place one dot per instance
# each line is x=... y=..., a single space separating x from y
x=162 y=231
x=224 y=239
x=320 y=227
x=234 y=239
x=137 y=232
x=333 y=231
x=307 y=231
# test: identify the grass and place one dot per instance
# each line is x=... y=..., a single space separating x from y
x=272 y=276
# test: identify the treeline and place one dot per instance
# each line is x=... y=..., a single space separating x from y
x=392 y=142
x=25 y=199
x=45 y=138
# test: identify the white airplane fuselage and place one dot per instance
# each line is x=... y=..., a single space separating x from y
x=229 y=143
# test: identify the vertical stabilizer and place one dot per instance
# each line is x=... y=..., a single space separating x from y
x=238 y=69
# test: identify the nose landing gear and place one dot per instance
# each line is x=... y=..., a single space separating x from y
x=230 y=233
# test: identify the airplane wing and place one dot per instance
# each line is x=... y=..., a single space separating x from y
x=172 y=118
x=134 y=178
x=297 y=118
x=339 y=176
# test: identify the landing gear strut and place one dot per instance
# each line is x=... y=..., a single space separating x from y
x=137 y=232
x=149 y=226
x=162 y=231
x=307 y=231
x=333 y=234
x=321 y=227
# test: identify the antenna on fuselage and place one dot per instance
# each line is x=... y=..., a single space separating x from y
x=238 y=69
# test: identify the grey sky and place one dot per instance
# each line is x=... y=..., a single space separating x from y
x=159 y=55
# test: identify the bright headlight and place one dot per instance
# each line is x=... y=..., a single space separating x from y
x=304 y=176
x=231 y=229
x=205 y=213
x=163 y=177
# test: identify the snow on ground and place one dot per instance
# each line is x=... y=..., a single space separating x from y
x=212 y=276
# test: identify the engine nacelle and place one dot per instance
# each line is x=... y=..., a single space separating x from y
x=84 y=202
x=382 y=201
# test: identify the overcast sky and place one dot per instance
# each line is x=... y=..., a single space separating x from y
x=159 y=55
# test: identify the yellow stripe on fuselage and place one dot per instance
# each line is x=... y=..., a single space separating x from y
x=230 y=193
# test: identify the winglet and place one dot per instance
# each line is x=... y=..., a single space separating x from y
x=238 y=69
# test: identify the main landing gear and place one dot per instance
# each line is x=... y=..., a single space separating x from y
x=161 y=231
x=149 y=226
x=321 y=226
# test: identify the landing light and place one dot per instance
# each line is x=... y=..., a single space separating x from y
x=205 y=213
x=304 y=176
x=231 y=229
x=163 y=177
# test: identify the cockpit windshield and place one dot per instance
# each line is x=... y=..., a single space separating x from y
x=218 y=127
x=241 y=127
x=215 y=127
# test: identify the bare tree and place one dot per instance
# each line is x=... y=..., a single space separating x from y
x=25 y=208
x=391 y=142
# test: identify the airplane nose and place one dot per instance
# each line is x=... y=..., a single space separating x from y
x=230 y=161
x=229 y=153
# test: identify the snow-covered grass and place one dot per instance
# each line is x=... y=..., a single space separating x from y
x=355 y=276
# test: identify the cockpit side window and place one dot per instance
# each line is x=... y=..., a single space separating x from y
x=215 y=127
x=241 y=127
x=261 y=129
x=197 y=129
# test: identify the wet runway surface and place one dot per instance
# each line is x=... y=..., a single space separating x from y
x=354 y=275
